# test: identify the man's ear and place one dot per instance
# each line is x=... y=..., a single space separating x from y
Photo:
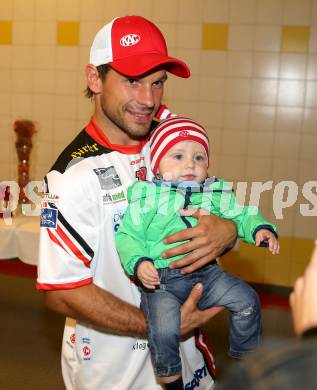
x=93 y=80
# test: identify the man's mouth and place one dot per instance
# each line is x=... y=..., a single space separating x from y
x=141 y=117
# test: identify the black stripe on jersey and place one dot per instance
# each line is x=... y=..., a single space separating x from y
x=82 y=146
x=76 y=236
x=205 y=356
x=46 y=190
x=70 y=229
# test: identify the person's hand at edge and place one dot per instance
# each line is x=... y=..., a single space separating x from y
x=303 y=299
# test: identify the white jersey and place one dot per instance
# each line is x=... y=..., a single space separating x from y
x=85 y=196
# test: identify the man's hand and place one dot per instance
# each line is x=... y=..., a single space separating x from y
x=209 y=239
x=303 y=299
x=191 y=316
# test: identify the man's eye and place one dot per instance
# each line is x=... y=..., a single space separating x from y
x=132 y=81
x=158 y=84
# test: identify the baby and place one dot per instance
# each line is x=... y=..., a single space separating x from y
x=179 y=160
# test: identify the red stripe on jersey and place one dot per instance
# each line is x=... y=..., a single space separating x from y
x=62 y=286
x=55 y=239
x=203 y=345
x=72 y=247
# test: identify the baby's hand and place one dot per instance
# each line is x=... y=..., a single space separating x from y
x=267 y=235
x=148 y=275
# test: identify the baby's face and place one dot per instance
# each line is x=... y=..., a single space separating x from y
x=185 y=161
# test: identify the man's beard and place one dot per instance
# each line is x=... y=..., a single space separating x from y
x=136 y=132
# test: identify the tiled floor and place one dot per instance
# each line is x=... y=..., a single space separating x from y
x=31 y=337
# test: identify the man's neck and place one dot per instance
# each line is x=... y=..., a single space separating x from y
x=114 y=134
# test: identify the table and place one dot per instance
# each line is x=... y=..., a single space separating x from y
x=20 y=239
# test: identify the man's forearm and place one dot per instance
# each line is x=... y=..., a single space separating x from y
x=99 y=308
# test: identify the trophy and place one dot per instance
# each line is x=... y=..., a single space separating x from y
x=24 y=130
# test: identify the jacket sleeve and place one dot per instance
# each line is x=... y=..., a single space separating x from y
x=131 y=238
x=248 y=219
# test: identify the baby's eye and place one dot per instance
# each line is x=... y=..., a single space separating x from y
x=178 y=156
x=200 y=157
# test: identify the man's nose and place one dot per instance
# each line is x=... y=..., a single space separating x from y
x=145 y=96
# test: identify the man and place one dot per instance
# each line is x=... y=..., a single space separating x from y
x=104 y=343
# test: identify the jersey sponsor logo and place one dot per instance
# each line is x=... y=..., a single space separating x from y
x=137 y=161
x=107 y=198
x=108 y=178
x=198 y=375
x=130 y=40
x=141 y=174
x=71 y=341
x=118 y=197
x=50 y=197
x=49 y=200
x=72 y=338
x=113 y=198
x=86 y=349
x=117 y=217
x=86 y=352
x=139 y=346
x=84 y=149
x=49 y=218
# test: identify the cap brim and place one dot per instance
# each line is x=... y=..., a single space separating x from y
x=139 y=65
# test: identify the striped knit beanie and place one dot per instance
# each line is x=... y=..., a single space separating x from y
x=170 y=132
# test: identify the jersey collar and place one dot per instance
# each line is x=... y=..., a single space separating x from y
x=99 y=136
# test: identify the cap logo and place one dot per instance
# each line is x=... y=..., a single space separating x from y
x=184 y=133
x=130 y=40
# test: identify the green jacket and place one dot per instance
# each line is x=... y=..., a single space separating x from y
x=153 y=214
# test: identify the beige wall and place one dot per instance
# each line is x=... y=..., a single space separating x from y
x=253 y=84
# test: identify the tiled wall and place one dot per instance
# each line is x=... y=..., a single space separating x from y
x=253 y=84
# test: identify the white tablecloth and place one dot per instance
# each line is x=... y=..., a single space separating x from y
x=20 y=239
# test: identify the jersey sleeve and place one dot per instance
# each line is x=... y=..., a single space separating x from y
x=68 y=232
x=248 y=219
x=130 y=239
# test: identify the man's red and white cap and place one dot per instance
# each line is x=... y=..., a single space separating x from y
x=133 y=46
x=171 y=131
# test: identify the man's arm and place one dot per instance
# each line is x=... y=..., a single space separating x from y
x=98 y=307
x=212 y=237
x=103 y=310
